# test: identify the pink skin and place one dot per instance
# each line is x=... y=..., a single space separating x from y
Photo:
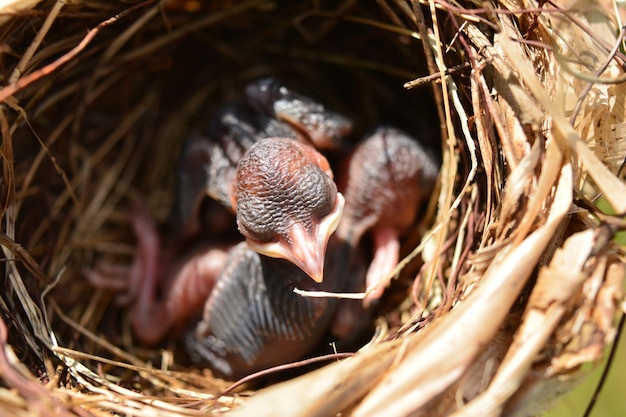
x=384 y=182
x=188 y=285
x=386 y=250
x=141 y=274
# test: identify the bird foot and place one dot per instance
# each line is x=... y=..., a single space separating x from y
x=159 y=292
x=137 y=284
x=113 y=277
x=131 y=280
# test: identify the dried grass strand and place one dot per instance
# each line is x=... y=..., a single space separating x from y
x=422 y=377
x=41 y=34
x=25 y=81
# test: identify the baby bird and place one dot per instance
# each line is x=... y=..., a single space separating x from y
x=267 y=109
x=283 y=200
x=287 y=208
x=253 y=320
x=287 y=203
x=257 y=169
x=388 y=177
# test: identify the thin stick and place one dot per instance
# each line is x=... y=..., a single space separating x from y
x=596 y=78
x=293 y=365
x=24 y=82
x=434 y=77
x=43 y=31
x=326 y=294
x=607 y=368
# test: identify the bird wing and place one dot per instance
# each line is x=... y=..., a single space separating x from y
x=253 y=320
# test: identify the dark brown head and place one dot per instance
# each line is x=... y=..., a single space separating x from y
x=287 y=202
x=389 y=176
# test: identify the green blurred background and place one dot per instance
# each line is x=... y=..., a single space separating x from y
x=612 y=399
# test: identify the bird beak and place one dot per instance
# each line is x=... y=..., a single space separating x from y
x=305 y=249
x=324 y=134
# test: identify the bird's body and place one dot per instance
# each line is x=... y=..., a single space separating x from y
x=254 y=321
x=255 y=169
x=267 y=109
x=252 y=169
x=287 y=207
x=388 y=177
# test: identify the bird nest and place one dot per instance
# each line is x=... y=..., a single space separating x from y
x=509 y=285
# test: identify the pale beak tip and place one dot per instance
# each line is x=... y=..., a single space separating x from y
x=319 y=277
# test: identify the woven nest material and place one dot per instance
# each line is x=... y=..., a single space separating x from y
x=521 y=277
